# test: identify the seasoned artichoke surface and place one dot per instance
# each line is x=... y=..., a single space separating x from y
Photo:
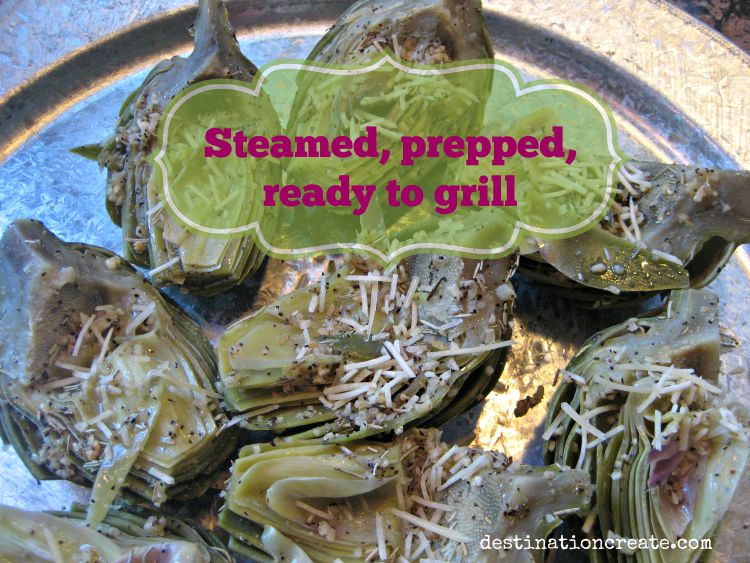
x=416 y=497
x=426 y=32
x=151 y=236
x=640 y=409
x=694 y=217
x=125 y=535
x=363 y=351
x=423 y=32
x=104 y=380
x=670 y=227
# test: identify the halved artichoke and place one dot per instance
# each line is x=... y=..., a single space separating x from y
x=422 y=31
x=126 y=535
x=640 y=409
x=364 y=352
x=102 y=379
x=152 y=237
x=671 y=227
x=392 y=501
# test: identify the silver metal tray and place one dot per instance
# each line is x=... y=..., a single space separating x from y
x=679 y=92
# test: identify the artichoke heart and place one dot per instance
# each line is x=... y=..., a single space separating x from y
x=125 y=535
x=641 y=410
x=670 y=227
x=103 y=381
x=364 y=352
x=413 y=498
x=152 y=237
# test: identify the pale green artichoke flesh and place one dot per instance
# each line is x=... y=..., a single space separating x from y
x=103 y=380
x=689 y=222
x=423 y=32
x=362 y=357
x=429 y=499
x=426 y=32
x=665 y=447
x=152 y=237
x=124 y=535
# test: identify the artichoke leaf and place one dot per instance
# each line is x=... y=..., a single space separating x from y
x=90 y=152
x=282 y=548
x=125 y=535
x=699 y=215
x=113 y=473
x=623 y=267
x=283 y=494
x=671 y=226
x=539 y=493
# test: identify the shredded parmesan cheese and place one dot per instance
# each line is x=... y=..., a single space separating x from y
x=430 y=527
x=472 y=350
x=139 y=319
x=380 y=533
x=82 y=334
x=168 y=264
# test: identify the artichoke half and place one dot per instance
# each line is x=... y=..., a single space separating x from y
x=413 y=498
x=152 y=238
x=423 y=32
x=640 y=409
x=670 y=227
x=125 y=535
x=103 y=380
x=364 y=352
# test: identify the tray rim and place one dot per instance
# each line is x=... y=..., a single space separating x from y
x=29 y=106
